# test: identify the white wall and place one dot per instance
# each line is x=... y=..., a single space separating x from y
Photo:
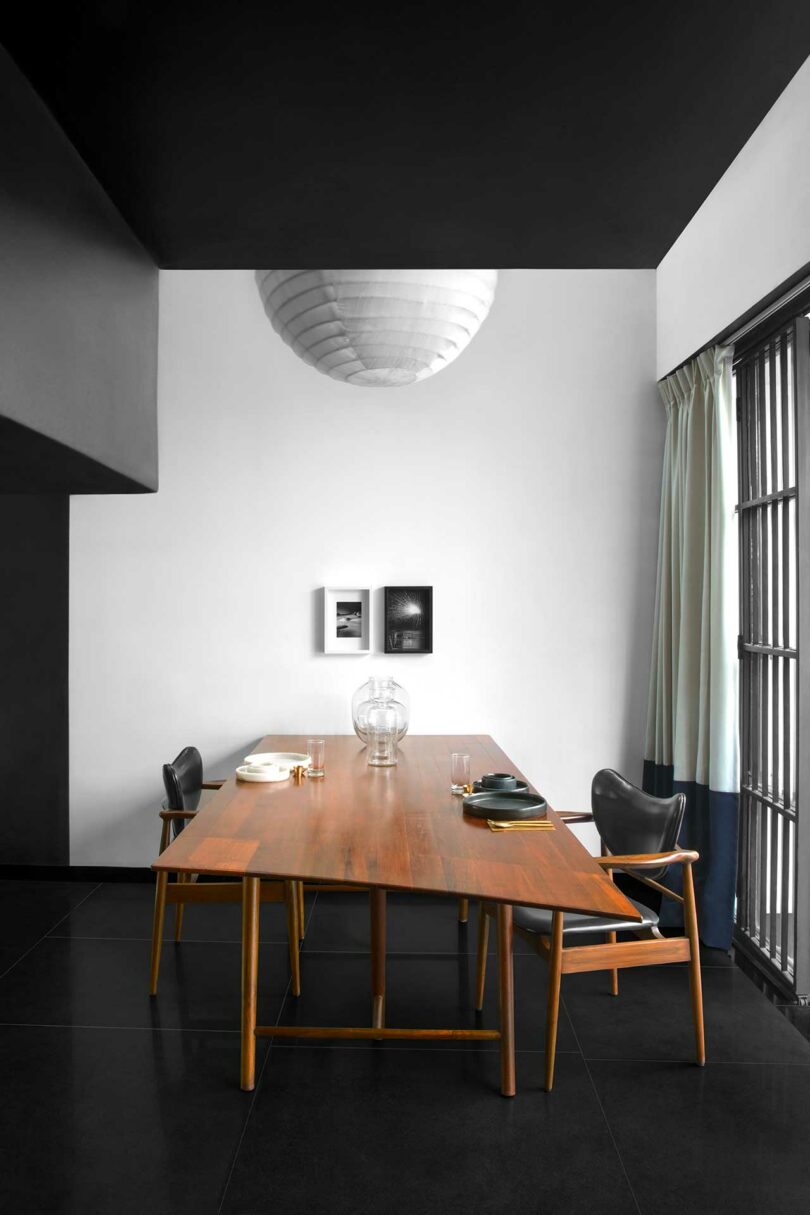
x=751 y=234
x=522 y=483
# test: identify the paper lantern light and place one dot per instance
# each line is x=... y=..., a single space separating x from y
x=377 y=328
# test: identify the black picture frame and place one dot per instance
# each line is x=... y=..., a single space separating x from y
x=408 y=620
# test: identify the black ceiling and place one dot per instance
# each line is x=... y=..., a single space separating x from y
x=249 y=134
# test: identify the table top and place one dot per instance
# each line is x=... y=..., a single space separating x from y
x=399 y=828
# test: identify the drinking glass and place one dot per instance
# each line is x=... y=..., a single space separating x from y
x=315 y=749
x=383 y=734
x=459 y=772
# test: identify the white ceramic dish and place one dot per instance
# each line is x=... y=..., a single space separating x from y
x=262 y=773
x=284 y=759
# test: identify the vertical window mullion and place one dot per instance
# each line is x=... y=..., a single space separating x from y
x=773 y=448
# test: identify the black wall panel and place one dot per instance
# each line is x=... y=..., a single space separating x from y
x=34 y=824
x=78 y=414
x=78 y=317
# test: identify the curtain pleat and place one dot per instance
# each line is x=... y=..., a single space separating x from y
x=692 y=730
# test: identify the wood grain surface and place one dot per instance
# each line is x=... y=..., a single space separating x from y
x=396 y=828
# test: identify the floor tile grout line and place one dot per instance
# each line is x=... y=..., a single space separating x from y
x=253 y=1097
x=378 y=1046
x=573 y=1031
x=141 y=1029
x=310 y=1044
x=410 y=953
x=608 y=1127
x=45 y=935
x=690 y=1062
x=169 y=940
x=282 y=943
x=259 y=1079
x=308 y=919
x=356 y=953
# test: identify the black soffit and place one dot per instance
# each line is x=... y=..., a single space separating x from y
x=243 y=135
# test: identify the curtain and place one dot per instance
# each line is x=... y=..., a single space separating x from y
x=692 y=741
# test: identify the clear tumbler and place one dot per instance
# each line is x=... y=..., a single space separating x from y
x=459 y=772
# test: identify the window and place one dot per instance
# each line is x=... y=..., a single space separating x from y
x=773 y=420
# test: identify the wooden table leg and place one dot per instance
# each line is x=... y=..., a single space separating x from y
x=293 y=936
x=554 y=979
x=302 y=917
x=251 y=900
x=507 y=999
x=377 y=908
x=481 y=957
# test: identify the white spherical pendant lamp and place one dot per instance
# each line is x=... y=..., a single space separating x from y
x=377 y=328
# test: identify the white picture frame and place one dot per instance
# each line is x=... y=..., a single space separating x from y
x=347 y=620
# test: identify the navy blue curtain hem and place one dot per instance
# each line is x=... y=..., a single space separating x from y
x=710 y=828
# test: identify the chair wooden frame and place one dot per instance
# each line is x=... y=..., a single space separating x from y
x=652 y=949
x=188 y=889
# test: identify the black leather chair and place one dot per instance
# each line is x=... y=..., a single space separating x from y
x=185 y=795
x=183 y=782
x=184 y=785
x=639 y=835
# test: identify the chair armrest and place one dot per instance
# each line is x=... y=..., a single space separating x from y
x=648 y=860
x=168 y=815
x=213 y=784
x=574 y=816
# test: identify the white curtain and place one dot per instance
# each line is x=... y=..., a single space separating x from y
x=692 y=709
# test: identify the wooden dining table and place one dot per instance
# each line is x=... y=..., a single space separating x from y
x=397 y=828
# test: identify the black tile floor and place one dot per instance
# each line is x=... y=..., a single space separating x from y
x=112 y=1102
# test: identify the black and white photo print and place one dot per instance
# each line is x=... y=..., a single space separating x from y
x=349 y=618
x=409 y=620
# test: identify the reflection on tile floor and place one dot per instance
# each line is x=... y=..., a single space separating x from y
x=135 y=1104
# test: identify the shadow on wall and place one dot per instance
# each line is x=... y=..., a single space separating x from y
x=318 y=639
x=631 y=760
x=642 y=574
x=378 y=619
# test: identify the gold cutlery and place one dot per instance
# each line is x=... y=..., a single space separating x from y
x=520 y=825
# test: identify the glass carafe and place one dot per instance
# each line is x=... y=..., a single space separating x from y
x=380 y=692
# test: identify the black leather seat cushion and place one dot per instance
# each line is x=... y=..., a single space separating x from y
x=537 y=919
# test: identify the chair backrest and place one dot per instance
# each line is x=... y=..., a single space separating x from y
x=183 y=780
x=631 y=821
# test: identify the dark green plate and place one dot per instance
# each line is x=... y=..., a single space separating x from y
x=506 y=805
x=519 y=787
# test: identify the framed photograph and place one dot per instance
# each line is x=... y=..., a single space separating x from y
x=346 y=620
x=409 y=620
